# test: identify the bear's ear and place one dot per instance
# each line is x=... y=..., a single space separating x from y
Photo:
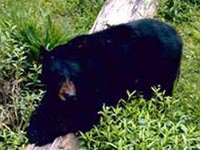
x=43 y=53
x=79 y=47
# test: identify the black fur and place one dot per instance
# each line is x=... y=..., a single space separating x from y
x=103 y=65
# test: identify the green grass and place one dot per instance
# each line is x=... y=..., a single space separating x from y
x=162 y=123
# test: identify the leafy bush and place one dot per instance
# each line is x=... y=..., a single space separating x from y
x=178 y=10
x=141 y=124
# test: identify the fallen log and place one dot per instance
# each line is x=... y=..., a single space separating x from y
x=113 y=12
x=67 y=142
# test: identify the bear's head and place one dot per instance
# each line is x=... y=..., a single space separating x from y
x=59 y=73
x=68 y=68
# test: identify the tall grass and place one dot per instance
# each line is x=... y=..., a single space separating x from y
x=48 y=23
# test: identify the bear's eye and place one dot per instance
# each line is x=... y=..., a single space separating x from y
x=74 y=66
x=52 y=57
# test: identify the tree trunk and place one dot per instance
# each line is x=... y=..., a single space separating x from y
x=113 y=12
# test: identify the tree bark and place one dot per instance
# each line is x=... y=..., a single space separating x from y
x=68 y=142
x=113 y=12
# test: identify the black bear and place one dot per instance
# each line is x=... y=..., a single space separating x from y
x=98 y=68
